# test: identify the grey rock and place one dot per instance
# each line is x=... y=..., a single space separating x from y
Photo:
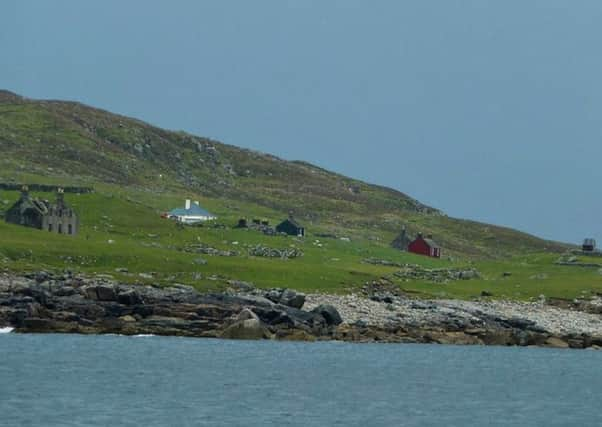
x=286 y=297
x=129 y=297
x=330 y=314
x=292 y=298
x=519 y=323
x=241 y=286
x=90 y=292
x=42 y=276
x=468 y=275
x=254 y=300
x=361 y=323
x=273 y=295
x=64 y=291
x=246 y=314
x=248 y=329
x=106 y=293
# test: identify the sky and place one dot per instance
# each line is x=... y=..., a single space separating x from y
x=488 y=110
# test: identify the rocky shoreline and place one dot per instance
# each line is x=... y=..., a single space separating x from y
x=44 y=303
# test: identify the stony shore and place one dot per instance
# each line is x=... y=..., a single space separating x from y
x=43 y=302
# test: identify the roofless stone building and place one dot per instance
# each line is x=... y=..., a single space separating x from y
x=41 y=214
x=402 y=241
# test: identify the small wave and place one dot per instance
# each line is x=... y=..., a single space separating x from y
x=143 y=335
x=6 y=330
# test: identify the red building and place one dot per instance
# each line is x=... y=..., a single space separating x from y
x=424 y=246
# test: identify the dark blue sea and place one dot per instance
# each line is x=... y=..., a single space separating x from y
x=71 y=380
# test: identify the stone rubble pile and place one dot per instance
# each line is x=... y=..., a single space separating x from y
x=439 y=275
x=201 y=248
x=265 y=251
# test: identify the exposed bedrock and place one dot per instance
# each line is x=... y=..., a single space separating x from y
x=43 y=302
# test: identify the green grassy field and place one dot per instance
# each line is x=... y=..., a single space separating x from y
x=122 y=229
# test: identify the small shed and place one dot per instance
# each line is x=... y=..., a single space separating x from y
x=589 y=245
x=291 y=227
x=425 y=246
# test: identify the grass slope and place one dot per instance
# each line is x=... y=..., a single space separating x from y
x=139 y=171
x=70 y=143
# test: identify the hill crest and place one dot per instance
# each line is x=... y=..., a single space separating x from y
x=70 y=141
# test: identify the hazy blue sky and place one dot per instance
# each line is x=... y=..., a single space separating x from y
x=490 y=110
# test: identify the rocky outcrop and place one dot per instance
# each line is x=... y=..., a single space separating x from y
x=43 y=302
x=247 y=326
x=47 y=303
x=286 y=297
x=329 y=313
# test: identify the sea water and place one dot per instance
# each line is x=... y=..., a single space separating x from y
x=72 y=380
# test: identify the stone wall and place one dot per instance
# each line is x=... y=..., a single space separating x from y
x=45 y=188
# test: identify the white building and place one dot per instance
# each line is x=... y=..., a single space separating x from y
x=191 y=213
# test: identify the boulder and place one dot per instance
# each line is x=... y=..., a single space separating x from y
x=468 y=275
x=384 y=297
x=129 y=297
x=292 y=298
x=556 y=342
x=252 y=300
x=286 y=297
x=361 y=323
x=329 y=313
x=519 y=323
x=241 y=286
x=246 y=314
x=65 y=291
x=90 y=292
x=247 y=329
x=106 y=293
x=273 y=295
x=42 y=276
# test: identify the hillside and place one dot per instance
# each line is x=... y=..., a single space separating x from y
x=70 y=143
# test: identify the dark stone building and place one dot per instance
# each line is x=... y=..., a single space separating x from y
x=43 y=215
x=291 y=227
x=402 y=241
x=589 y=245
